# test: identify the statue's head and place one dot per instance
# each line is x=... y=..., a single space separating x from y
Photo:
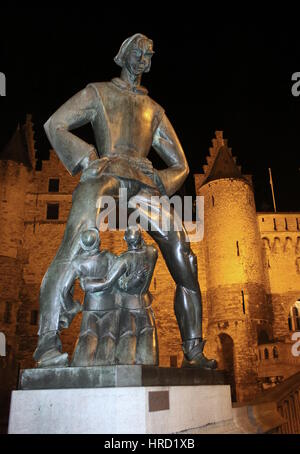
x=133 y=237
x=135 y=54
x=90 y=240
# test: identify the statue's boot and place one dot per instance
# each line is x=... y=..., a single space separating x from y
x=48 y=352
x=53 y=358
x=194 y=356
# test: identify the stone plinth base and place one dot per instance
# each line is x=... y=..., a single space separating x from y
x=119 y=410
x=111 y=376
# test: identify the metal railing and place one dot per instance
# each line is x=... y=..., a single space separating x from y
x=287 y=398
x=275 y=411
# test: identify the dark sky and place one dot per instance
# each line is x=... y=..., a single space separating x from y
x=208 y=72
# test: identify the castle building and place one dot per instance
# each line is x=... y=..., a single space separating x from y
x=248 y=265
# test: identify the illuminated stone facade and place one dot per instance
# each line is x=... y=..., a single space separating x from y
x=248 y=264
x=252 y=275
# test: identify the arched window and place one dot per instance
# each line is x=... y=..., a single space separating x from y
x=288 y=245
x=276 y=245
x=290 y=323
x=266 y=353
x=266 y=243
x=294 y=317
x=275 y=352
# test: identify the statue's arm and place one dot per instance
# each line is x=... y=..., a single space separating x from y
x=98 y=285
x=133 y=280
x=70 y=277
x=75 y=153
x=144 y=274
x=152 y=259
x=153 y=256
x=168 y=147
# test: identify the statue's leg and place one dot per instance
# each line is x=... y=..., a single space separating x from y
x=107 y=330
x=126 y=346
x=147 y=345
x=82 y=216
x=85 y=349
x=174 y=244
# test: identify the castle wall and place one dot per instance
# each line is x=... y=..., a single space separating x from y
x=280 y=234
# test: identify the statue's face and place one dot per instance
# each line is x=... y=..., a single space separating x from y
x=138 y=58
x=133 y=237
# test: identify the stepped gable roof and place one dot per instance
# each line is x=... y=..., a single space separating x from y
x=220 y=163
x=17 y=149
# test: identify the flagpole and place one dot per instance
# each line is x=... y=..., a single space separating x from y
x=272 y=188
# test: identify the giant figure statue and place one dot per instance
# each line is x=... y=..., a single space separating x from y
x=126 y=124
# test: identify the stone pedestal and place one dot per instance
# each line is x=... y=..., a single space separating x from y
x=118 y=400
x=134 y=410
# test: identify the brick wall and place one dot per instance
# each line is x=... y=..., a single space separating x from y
x=14 y=180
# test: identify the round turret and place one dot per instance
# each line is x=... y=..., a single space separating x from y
x=236 y=304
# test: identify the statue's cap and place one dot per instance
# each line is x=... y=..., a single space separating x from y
x=89 y=239
x=119 y=58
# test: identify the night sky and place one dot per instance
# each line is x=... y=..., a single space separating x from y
x=209 y=73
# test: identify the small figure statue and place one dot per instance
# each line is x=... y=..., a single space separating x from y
x=99 y=316
x=126 y=124
x=88 y=260
x=131 y=325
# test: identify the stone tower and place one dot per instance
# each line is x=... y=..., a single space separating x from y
x=16 y=170
x=236 y=303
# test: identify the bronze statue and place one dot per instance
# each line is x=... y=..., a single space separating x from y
x=124 y=331
x=126 y=124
